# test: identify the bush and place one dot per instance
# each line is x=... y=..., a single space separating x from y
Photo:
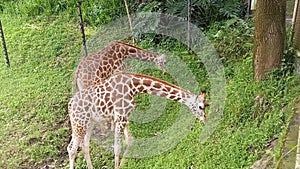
x=204 y=12
x=233 y=38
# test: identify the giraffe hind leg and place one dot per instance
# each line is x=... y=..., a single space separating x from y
x=86 y=148
x=72 y=150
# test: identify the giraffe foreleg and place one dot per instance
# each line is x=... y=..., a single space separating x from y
x=112 y=125
x=128 y=137
x=119 y=129
x=129 y=141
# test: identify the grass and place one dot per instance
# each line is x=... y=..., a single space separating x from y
x=35 y=90
x=95 y=12
x=43 y=54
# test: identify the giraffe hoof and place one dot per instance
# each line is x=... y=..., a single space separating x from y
x=203 y=121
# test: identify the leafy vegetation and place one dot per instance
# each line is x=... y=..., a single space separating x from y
x=44 y=52
x=101 y=12
x=95 y=12
x=204 y=12
x=228 y=39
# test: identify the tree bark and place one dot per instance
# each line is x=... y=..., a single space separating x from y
x=269 y=36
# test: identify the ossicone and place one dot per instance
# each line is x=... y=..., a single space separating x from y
x=203 y=93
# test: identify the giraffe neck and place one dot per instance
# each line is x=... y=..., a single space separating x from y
x=146 y=84
x=133 y=52
x=138 y=83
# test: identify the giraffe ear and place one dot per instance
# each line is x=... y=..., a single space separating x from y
x=203 y=93
x=206 y=104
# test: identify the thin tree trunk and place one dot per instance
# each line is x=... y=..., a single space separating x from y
x=269 y=36
x=129 y=19
x=296 y=6
x=4 y=45
x=248 y=9
x=81 y=26
x=189 y=25
x=296 y=28
x=296 y=33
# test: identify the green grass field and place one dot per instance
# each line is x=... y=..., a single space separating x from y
x=44 y=53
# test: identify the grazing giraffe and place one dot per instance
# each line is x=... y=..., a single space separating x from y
x=97 y=67
x=113 y=100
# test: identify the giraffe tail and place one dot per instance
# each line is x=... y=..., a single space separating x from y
x=79 y=84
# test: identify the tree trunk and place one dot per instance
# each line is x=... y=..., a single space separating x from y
x=269 y=36
x=296 y=29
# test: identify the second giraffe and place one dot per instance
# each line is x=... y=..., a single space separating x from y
x=113 y=100
x=97 y=67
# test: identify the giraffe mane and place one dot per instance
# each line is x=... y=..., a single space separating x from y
x=155 y=79
x=127 y=44
x=132 y=46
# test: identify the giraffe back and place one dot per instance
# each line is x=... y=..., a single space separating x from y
x=97 y=67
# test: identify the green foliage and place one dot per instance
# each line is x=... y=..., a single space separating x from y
x=153 y=6
x=204 y=12
x=102 y=12
x=233 y=38
x=94 y=12
x=37 y=7
x=35 y=91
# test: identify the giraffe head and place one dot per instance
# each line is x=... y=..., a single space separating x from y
x=198 y=105
x=161 y=62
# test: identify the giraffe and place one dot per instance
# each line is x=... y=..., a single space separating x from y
x=102 y=64
x=113 y=100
